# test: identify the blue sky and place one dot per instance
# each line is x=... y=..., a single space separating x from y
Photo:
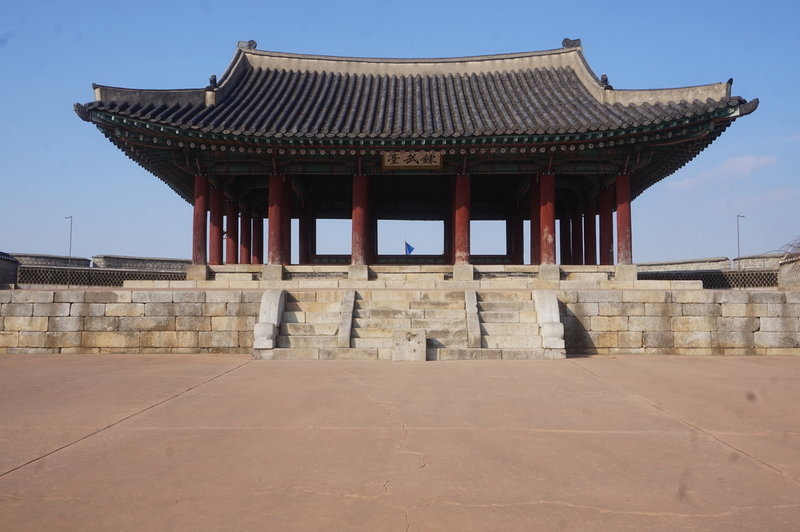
x=55 y=165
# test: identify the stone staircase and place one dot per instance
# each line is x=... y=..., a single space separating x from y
x=379 y=315
x=508 y=324
x=309 y=327
x=372 y=324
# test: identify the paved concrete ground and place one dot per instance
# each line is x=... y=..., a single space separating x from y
x=224 y=443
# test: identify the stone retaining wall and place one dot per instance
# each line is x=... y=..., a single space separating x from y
x=702 y=322
x=126 y=321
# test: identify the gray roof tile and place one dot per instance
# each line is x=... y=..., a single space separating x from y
x=285 y=95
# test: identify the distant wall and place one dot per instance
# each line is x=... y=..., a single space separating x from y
x=714 y=263
x=33 y=259
x=140 y=263
x=766 y=261
x=769 y=261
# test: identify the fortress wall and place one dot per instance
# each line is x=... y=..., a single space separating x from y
x=622 y=321
x=127 y=321
x=681 y=322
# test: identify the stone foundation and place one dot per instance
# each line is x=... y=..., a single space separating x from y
x=127 y=321
x=637 y=317
x=681 y=322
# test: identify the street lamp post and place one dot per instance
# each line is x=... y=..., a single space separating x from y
x=69 y=258
x=738 y=249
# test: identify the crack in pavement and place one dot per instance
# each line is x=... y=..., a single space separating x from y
x=688 y=423
x=124 y=419
x=374 y=389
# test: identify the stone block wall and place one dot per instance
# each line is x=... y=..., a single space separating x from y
x=596 y=321
x=127 y=321
x=683 y=322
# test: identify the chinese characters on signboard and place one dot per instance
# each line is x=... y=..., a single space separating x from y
x=412 y=159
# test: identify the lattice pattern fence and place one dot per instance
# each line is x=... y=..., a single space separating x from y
x=719 y=279
x=37 y=275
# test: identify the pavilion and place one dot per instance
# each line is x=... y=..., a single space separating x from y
x=528 y=136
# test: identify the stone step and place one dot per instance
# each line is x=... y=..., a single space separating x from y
x=366 y=323
x=451 y=314
x=348 y=353
x=311 y=306
x=505 y=295
x=447 y=342
x=399 y=304
x=511 y=316
x=441 y=295
x=509 y=329
x=380 y=314
x=309 y=353
x=372 y=332
x=372 y=343
x=437 y=304
x=317 y=342
x=438 y=324
x=294 y=353
x=511 y=342
x=310 y=317
x=234 y=276
x=448 y=333
x=505 y=306
x=309 y=329
x=515 y=354
x=461 y=353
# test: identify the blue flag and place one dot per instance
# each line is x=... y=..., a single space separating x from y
x=409 y=248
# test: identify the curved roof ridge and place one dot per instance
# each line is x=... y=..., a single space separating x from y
x=560 y=57
x=459 y=59
x=716 y=91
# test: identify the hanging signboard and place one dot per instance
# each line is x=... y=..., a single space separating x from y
x=412 y=160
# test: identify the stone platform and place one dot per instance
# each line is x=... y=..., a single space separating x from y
x=404 y=312
x=221 y=442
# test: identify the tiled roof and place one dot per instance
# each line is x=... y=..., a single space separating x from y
x=288 y=95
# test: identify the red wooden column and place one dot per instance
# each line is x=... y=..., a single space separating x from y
x=624 y=237
x=565 y=240
x=577 y=238
x=215 y=227
x=536 y=227
x=360 y=220
x=199 y=223
x=461 y=214
x=246 y=240
x=606 y=208
x=547 y=218
x=232 y=230
x=257 y=250
x=590 y=233
x=276 y=254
